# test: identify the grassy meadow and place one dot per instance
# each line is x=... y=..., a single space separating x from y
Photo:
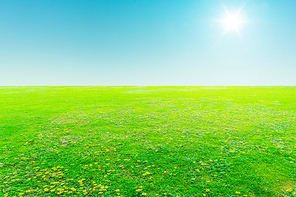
x=148 y=141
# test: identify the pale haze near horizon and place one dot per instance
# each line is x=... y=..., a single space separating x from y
x=146 y=43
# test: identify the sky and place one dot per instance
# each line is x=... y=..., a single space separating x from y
x=147 y=42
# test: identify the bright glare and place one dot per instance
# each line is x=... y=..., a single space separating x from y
x=232 y=22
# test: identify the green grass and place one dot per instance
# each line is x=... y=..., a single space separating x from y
x=153 y=141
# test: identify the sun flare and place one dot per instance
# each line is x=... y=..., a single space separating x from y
x=232 y=22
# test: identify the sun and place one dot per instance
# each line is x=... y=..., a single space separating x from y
x=232 y=22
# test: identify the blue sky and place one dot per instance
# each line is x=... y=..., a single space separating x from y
x=146 y=42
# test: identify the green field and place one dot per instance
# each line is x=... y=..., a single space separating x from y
x=148 y=141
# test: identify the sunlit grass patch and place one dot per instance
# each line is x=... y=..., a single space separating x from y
x=148 y=141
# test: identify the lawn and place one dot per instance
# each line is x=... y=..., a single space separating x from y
x=148 y=141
